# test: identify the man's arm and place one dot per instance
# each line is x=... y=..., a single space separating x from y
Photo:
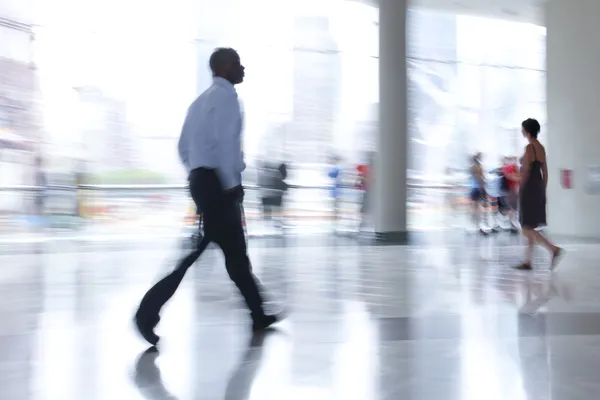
x=183 y=145
x=230 y=163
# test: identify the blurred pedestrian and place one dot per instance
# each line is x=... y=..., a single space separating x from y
x=478 y=195
x=532 y=195
x=335 y=174
x=363 y=184
x=273 y=187
x=41 y=188
x=508 y=201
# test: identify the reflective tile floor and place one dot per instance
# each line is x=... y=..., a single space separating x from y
x=442 y=319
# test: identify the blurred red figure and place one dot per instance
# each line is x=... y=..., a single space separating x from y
x=508 y=202
x=363 y=185
x=363 y=172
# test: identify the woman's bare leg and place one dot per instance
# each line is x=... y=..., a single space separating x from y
x=554 y=249
x=529 y=235
x=544 y=241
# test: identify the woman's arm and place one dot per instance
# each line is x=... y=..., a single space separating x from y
x=545 y=173
x=526 y=165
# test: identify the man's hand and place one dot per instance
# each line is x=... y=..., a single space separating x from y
x=237 y=192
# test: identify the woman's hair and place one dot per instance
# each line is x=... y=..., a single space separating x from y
x=531 y=126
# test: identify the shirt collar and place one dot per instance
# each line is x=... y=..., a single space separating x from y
x=223 y=82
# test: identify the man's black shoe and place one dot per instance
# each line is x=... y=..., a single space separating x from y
x=145 y=326
x=265 y=322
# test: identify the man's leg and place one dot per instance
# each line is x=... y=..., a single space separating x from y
x=232 y=241
x=148 y=313
x=223 y=225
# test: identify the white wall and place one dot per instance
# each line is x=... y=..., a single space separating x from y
x=573 y=92
x=18 y=10
x=15 y=44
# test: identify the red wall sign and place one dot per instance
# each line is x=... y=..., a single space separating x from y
x=566 y=178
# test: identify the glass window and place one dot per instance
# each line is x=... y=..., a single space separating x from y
x=472 y=81
x=114 y=96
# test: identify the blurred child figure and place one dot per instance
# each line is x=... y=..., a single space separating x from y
x=509 y=189
x=477 y=192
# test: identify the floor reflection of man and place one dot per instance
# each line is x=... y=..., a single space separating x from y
x=148 y=379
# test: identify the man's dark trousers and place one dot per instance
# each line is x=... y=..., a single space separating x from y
x=222 y=219
x=223 y=225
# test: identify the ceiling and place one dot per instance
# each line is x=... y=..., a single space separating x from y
x=516 y=10
x=520 y=10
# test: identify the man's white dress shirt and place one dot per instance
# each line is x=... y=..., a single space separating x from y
x=211 y=136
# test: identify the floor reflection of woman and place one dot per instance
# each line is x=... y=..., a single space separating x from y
x=532 y=194
x=534 y=357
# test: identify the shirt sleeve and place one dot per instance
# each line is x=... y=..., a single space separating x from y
x=183 y=145
x=227 y=131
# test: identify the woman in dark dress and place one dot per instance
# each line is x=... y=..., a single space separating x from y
x=532 y=194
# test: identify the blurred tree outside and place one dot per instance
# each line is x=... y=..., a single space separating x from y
x=128 y=177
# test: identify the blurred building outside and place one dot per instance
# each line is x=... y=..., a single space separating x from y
x=311 y=92
x=20 y=122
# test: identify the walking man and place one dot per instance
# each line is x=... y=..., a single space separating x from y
x=210 y=149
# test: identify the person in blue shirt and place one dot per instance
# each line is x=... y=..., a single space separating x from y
x=210 y=148
x=334 y=174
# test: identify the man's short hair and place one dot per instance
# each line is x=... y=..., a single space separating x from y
x=221 y=57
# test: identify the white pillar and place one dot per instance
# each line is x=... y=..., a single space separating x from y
x=389 y=208
x=573 y=98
